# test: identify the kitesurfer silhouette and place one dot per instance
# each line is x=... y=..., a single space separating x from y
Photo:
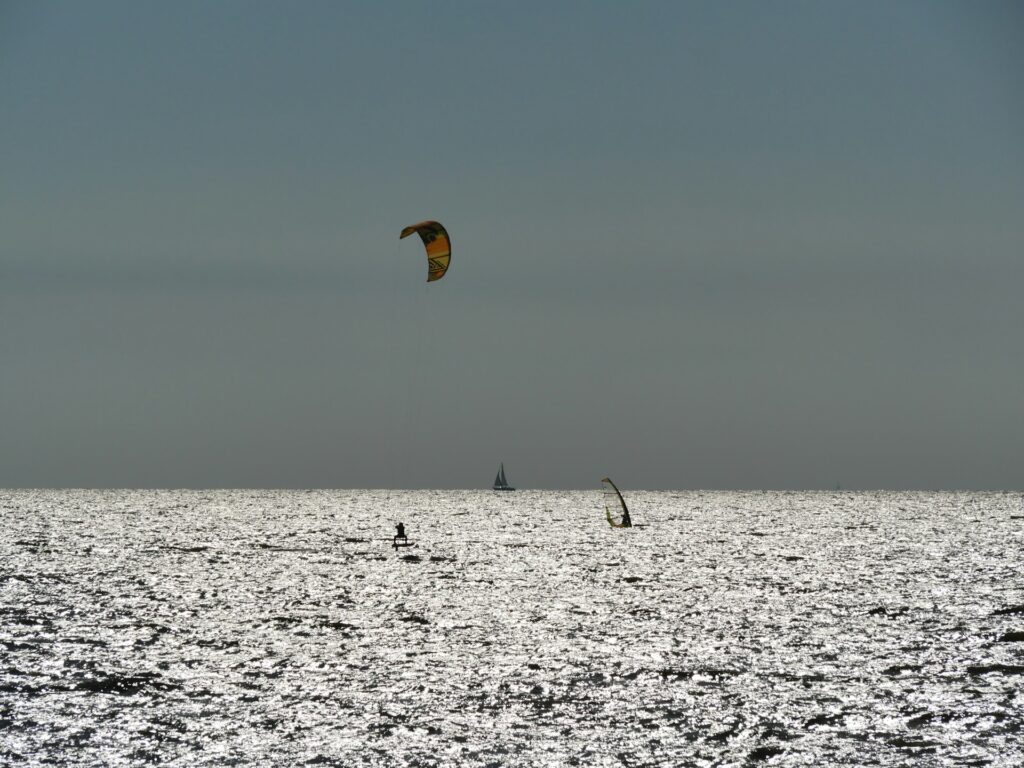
x=400 y=535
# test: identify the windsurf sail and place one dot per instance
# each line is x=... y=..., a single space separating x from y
x=438 y=245
x=615 y=508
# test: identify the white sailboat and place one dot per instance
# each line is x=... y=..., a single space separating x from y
x=500 y=483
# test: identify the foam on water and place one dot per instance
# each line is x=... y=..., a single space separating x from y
x=281 y=628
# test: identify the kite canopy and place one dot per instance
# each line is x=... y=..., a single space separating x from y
x=439 y=247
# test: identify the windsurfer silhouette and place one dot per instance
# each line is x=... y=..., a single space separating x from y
x=615 y=506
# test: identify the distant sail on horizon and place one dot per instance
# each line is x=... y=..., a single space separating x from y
x=500 y=483
x=615 y=508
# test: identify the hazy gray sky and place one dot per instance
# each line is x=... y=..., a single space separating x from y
x=696 y=245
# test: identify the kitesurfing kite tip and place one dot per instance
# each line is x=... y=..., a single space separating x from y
x=438 y=244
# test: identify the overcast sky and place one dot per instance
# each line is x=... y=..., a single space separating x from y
x=696 y=245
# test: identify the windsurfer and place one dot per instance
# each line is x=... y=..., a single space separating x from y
x=615 y=508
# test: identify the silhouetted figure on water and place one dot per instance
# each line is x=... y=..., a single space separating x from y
x=400 y=528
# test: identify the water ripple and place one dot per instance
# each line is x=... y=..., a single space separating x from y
x=281 y=628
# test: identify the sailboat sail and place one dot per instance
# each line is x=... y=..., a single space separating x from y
x=615 y=508
x=500 y=483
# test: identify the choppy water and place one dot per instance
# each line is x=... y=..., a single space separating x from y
x=280 y=628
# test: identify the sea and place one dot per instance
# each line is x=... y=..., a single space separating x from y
x=282 y=628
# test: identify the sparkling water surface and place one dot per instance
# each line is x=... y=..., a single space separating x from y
x=206 y=628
